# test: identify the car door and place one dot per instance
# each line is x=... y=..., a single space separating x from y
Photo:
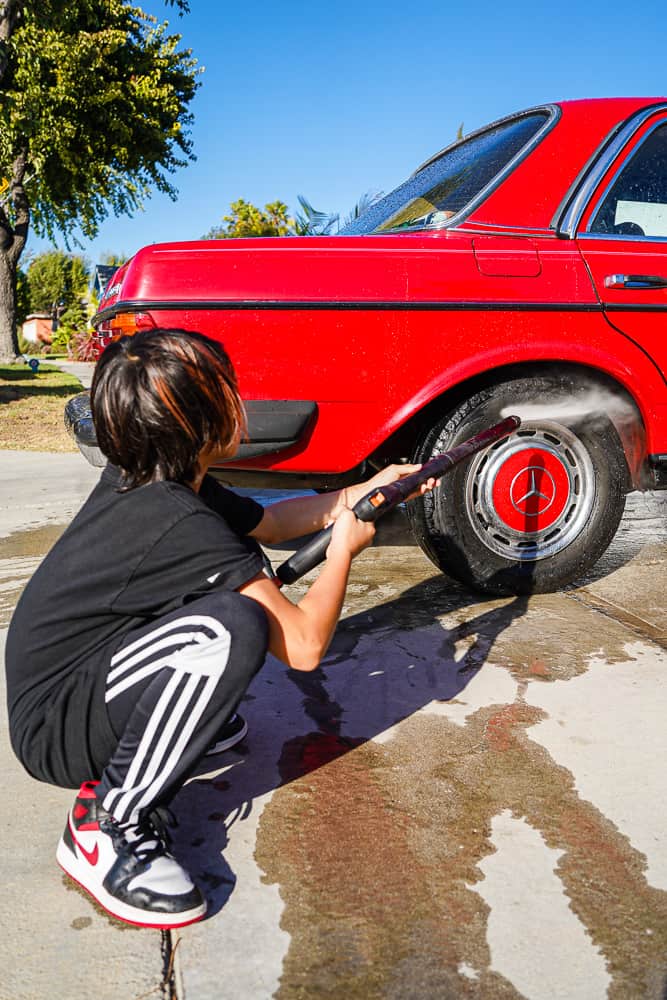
x=623 y=239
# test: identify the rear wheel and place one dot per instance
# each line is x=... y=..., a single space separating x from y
x=535 y=510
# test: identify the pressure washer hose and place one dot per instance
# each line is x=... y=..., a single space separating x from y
x=384 y=498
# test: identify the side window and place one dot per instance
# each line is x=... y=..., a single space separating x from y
x=636 y=204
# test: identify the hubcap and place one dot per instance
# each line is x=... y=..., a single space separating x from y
x=530 y=495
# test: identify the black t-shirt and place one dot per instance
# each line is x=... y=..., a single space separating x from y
x=125 y=559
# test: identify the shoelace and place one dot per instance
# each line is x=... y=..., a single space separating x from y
x=150 y=837
x=163 y=821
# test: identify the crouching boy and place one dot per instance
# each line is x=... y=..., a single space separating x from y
x=135 y=640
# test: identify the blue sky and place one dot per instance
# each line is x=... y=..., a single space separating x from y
x=334 y=100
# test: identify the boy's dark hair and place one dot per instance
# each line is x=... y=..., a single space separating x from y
x=158 y=398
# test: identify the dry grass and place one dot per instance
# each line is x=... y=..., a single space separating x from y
x=32 y=406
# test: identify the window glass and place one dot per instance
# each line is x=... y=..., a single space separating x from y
x=636 y=204
x=446 y=185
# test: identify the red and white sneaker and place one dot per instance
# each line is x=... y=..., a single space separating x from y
x=126 y=867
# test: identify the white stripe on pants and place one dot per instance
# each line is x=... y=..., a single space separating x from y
x=196 y=667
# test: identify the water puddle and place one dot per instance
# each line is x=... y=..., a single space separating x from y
x=20 y=555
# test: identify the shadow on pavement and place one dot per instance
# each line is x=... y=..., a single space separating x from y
x=384 y=664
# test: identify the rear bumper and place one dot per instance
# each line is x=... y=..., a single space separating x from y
x=273 y=426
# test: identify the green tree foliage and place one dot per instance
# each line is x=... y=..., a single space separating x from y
x=58 y=284
x=112 y=259
x=245 y=219
x=94 y=99
x=71 y=323
x=57 y=280
x=311 y=222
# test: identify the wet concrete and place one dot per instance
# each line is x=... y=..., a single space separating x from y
x=20 y=555
x=466 y=800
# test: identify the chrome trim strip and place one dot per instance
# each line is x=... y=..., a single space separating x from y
x=553 y=110
x=494 y=229
x=659 y=124
x=620 y=236
x=583 y=188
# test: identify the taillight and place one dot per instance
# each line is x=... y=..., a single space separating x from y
x=126 y=324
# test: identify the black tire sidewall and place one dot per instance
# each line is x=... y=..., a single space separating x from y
x=442 y=524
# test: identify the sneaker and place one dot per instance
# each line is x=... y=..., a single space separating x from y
x=126 y=867
x=233 y=731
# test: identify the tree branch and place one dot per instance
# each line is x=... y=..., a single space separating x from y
x=13 y=237
x=10 y=11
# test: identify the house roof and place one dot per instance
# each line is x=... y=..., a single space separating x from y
x=103 y=273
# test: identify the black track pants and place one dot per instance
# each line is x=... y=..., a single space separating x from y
x=170 y=687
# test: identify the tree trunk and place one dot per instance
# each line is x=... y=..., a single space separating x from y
x=12 y=242
x=12 y=238
x=9 y=347
x=10 y=12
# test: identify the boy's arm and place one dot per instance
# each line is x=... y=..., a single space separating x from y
x=303 y=515
x=299 y=634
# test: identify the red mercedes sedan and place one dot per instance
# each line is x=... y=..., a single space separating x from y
x=521 y=270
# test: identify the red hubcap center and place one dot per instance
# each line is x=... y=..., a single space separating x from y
x=531 y=490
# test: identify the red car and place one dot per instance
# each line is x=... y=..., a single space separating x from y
x=523 y=269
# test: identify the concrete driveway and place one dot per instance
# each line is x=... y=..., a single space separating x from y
x=466 y=800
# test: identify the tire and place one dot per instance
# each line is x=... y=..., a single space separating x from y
x=534 y=511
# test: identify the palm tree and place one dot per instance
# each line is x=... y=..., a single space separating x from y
x=310 y=222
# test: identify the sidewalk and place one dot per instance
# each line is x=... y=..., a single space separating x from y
x=55 y=944
x=83 y=370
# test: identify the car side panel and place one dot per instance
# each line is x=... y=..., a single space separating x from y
x=369 y=372
x=440 y=267
x=372 y=329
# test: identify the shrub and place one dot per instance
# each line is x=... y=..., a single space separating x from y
x=71 y=323
x=83 y=346
x=32 y=348
x=61 y=340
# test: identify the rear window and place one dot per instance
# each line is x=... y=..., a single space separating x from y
x=447 y=184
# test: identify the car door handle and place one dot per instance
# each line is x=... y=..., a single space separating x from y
x=635 y=281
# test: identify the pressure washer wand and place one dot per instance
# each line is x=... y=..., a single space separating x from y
x=384 y=498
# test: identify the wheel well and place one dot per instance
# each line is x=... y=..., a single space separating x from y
x=623 y=412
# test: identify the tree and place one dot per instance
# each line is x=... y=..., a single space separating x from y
x=94 y=115
x=113 y=259
x=58 y=284
x=311 y=222
x=245 y=219
x=56 y=281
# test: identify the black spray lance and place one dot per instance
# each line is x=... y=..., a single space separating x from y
x=384 y=498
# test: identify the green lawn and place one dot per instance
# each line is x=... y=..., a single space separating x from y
x=31 y=408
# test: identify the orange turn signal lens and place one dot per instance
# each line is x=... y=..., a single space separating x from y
x=126 y=324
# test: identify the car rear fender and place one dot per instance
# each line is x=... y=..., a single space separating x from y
x=643 y=393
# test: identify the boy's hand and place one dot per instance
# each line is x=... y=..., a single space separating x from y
x=351 y=494
x=393 y=472
x=350 y=536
